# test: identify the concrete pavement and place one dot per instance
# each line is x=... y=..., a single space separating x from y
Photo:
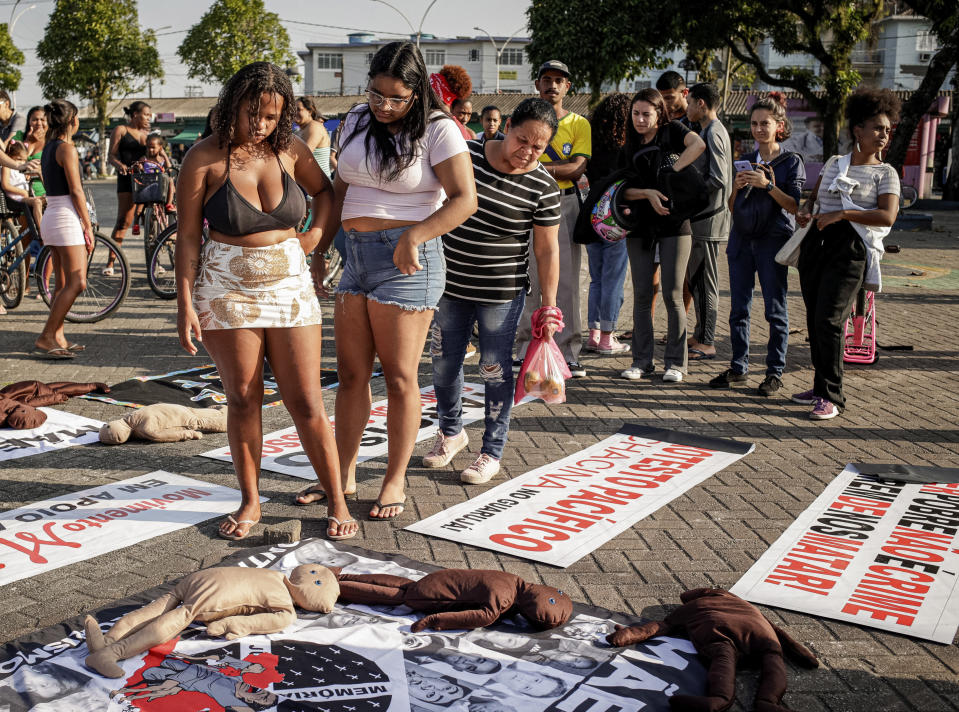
x=901 y=409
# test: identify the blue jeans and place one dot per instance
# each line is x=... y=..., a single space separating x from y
x=607 y=273
x=747 y=258
x=452 y=327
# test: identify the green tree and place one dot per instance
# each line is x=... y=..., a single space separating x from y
x=95 y=49
x=944 y=15
x=10 y=60
x=601 y=41
x=826 y=30
x=232 y=34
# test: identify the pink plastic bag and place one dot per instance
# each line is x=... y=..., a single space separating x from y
x=544 y=370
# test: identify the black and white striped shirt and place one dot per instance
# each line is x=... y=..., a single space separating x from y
x=487 y=257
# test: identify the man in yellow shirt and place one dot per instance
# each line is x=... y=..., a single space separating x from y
x=565 y=160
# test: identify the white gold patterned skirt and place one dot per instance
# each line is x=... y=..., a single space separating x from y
x=254 y=287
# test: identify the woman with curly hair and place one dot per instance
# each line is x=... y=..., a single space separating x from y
x=858 y=198
x=607 y=260
x=247 y=294
x=453 y=86
x=403 y=179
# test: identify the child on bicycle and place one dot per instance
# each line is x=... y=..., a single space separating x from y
x=155 y=161
x=16 y=185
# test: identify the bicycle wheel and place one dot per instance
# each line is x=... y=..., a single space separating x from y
x=161 y=268
x=909 y=197
x=13 y=280
x=333 y=267
x=104 y=293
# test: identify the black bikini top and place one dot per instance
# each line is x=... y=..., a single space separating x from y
x=229 y=213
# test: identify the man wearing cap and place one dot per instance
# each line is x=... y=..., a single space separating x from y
x=565 y=160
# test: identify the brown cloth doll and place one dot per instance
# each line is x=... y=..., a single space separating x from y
x=233 y=601
x=460 y=598
x=723 y=627
x=19 y=401
x=165 y=423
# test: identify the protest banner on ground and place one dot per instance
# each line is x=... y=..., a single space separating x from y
x=356 y=659
x=64 y=530
x=283 y=453
x=558 y=513
x=60 y=430
x=875 y=552
x=198 y=387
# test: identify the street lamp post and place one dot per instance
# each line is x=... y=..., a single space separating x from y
x=416 y=31
x=499 y=50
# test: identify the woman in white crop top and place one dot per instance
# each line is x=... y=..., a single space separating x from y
x=403 y=178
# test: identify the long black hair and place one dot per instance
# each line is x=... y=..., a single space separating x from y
x=239 y=100
x=60 y=113
x=395 y=153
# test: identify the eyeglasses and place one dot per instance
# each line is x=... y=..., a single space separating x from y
x=377 y=99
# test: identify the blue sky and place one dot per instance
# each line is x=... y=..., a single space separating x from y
x=171 y=19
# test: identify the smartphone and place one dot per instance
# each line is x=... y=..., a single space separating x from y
x=742 y=166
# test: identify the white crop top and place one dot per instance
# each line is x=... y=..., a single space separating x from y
x=416 y=193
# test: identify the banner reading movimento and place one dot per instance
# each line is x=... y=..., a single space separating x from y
x=60 y=430
x=283 y=453
x=875 y=552
x=61 y=531
x=558 y=513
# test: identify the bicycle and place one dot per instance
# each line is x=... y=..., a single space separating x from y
x=104 y=292
x=13 y=268
x=150 y=190
x=334 y=260
x=161 y=268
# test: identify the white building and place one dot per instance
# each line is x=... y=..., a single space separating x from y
x=341 y=68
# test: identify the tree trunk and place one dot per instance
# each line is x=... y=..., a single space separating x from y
x=918 y=104
x=101 y=104
x=951 y=188
x=830 y=114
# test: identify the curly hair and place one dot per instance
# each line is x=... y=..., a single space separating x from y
x=458 y=79
x=867 y=103
x=775 y=104
x=610 y=122
x=240 y=100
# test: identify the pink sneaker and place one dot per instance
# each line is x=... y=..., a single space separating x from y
x=610 y=346
x=483 y=469
x=824 y=410
x=444 y=449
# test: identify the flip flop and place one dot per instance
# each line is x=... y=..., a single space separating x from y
x=76 y=348
x=57 y=353
x=338 y=523
x=700 y=355
x=380 y=507
x=233 y=536
x=316 y=489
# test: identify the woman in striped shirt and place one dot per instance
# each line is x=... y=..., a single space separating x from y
x=487 y=259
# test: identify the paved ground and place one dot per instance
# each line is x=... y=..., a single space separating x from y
x=903 y=408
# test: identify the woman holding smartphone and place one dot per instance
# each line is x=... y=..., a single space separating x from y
x=764 y=201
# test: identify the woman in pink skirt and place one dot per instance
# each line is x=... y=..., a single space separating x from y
x=65 y=226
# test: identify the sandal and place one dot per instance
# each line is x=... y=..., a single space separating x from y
x=380 y=507
x=338 y=523
x=237 y=534
x=315 y=489
x=700 y=355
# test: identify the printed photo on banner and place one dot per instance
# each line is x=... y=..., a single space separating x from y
x=879 y=553
x=283 y=453
x=60 y=430
x=76 y=527
x=356 y=660
x=559 y=513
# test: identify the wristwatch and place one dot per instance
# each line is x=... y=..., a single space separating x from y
x=769 y=187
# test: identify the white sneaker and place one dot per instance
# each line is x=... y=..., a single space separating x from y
x=635 y=373
x=483 y=469
x=444 y=449
x=672 y=375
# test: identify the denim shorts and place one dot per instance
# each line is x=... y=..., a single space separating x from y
x=370 y=272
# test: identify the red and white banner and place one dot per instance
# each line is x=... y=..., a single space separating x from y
x=283 y=453
x=60 y=430
x=56 y=532
x=875 y=552
x=558 y=513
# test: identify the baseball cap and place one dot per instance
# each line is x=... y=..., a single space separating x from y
x=553 y=65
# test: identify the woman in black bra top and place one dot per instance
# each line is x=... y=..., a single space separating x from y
x=127 y=146
x=247 y=294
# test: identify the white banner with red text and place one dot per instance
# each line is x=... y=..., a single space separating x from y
x=875 y=552
x=60 y=430
x=558 y=513
x=64 y=530
x=283 y=453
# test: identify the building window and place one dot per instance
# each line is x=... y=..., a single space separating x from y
x=926 y=41
x=435 y=57
x=511 y=56
x=328 y=60
x=474 y=55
